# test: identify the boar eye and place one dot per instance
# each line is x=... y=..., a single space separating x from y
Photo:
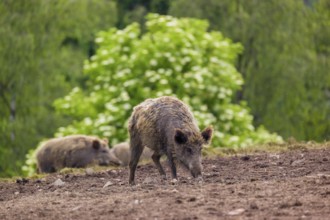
x=189 y=150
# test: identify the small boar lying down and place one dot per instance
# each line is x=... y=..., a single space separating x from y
x=74 y=151
x=123 y=153
x=167 y=126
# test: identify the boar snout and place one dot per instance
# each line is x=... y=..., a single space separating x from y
x=196 y=173
x=104 y=163
x=195 y=170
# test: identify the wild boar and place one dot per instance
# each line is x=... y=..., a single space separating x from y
x=73 y=151
x=122 y=152
x=167 y=126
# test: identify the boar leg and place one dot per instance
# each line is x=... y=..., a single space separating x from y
x=46 y=167
x=156 y=157
x=172 y=165
x=136 y=148
x=49 y=169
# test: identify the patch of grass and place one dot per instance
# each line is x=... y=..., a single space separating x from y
x=15 y=178
x=95 y=168
x=8 y=180
x=64 y=171
x=37 y=176
x=264 y=148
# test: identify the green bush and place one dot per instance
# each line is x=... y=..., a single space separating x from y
x=30 y=166
x=175 y=57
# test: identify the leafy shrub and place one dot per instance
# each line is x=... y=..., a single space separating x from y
x=30 y=166
x=175 y=57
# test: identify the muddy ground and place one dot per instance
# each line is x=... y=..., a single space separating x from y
x=290 y=185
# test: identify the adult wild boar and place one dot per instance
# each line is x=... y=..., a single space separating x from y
x=73 y=151
x=167 y=126
x=123 y=153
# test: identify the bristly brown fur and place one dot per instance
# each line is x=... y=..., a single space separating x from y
x=167 y=126
x=73 y=151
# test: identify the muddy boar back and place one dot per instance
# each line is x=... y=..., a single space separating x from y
x=72 y=151
x=167 y=126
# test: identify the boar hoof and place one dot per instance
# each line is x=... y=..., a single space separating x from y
x=132 y=183
x=200 y=179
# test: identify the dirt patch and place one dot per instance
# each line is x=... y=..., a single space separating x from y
x=288 y=185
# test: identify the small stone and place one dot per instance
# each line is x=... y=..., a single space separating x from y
x=136 y=202
x=148 y=180
x=76 y=208
x=175 y=191
x=16 y=193
x=58 y=182
x=297 y=162
x=276 y=156
x=174 y=181
x=109 y=183
x=89 y=171
x=323 y=175
x=236 y=212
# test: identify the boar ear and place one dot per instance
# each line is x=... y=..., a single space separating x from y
x=207 y=134
x=96 y=144
x=106 y=140
x=180 y=137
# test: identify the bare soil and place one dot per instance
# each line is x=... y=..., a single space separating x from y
x=290 y=185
